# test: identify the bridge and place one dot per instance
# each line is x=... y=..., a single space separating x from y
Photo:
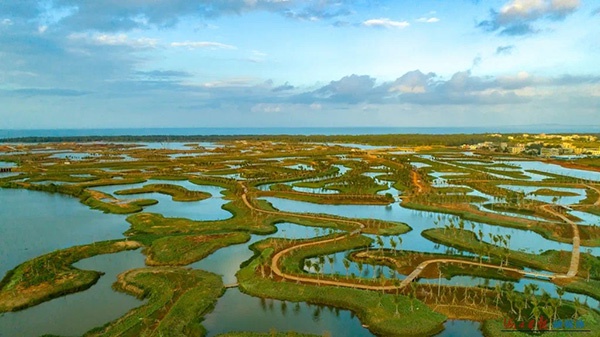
x=5 y=169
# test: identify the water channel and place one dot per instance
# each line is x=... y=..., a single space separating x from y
x=35 y=223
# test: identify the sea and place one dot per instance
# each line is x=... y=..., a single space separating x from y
x=17 y=133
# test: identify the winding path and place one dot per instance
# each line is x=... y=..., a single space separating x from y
x=415 y=273
x=597 y=203
x=575 y=254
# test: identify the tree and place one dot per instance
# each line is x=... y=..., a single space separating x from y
x=549 y=311
x=560 y=292
x=393 y=245
x=536 y=313
x=346 y=265
x=520 y=305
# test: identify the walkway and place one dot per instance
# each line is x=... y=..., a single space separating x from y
x=415 y=273
x=574 y=267
x=597 y=203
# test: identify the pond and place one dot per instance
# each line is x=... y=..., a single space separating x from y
x=556 y=169
x=74 y=155
x=35 y=223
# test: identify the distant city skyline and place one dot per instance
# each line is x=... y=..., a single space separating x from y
x=291 y=63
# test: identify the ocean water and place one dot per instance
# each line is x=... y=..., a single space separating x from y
x=15 y=133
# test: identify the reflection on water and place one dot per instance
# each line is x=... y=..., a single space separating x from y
x=460 y=328
x=237 y=311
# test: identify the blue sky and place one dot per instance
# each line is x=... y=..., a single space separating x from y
x=270 y=63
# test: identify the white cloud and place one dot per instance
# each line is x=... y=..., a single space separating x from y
x=419 y=89
x=428 y=20
x=202 y=44
x=232 y=82
x=114 y=40
x=266 y=107
x=315 y=106
x=386 y=23
x=530 y=9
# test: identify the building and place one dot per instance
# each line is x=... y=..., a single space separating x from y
x=549 y=152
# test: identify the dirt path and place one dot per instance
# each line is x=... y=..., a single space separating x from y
x=414 y=274
x=575 y=254
x=417 y=181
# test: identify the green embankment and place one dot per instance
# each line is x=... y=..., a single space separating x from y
x=177 y=299
x=551 y=260
x=185 y=249
x=406 y=261
x=51 y=275
x=582 y=286
x=331 y=199
x=374 y=309
x=553 y=193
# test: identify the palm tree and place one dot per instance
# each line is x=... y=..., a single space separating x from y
x=560 y=292
x=549 y=311
x=520 y=305
x=393 y=244
x=346 y=265
x=536 y=313
x=509 y=289
x=380 y=243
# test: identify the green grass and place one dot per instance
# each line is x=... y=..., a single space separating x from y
x=51 y=275
x=185 y=249
x=582 y=286
x=509 y=209
x=446 y=190
x=551 y=192
x=177 y=299
x=331 y=199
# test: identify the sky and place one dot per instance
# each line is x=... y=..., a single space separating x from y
x=291 y=63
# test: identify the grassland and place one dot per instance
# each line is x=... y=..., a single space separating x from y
x=177 y=299
x=182 y=250
x=51 y=275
